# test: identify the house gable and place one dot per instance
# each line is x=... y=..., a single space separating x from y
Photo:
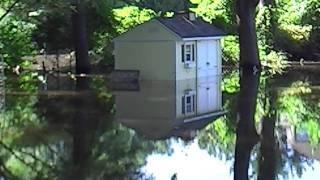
x=149 y=31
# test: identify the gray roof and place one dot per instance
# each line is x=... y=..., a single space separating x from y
x=181 y=25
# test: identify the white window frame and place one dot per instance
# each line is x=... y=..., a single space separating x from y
x=187 y=53
x=190 y=62
x=190 y=105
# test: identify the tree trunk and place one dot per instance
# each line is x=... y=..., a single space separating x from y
x=81 y=132
x=247 y=135
x=268 y=148
x=80 y=38
x=249 y=53
x=267 y=2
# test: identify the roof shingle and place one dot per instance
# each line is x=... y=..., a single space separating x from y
x=185 y=28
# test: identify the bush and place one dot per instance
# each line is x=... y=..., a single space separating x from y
x=230 y=50
x=274 y=62
x=15 y=41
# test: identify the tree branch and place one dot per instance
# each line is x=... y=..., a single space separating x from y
x=9 y=10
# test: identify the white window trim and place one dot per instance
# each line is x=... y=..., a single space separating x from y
x=192 y=96
x=192 y=61
x=191 y=53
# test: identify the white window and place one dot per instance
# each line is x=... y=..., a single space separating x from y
x=188 y=53
x=188 y=104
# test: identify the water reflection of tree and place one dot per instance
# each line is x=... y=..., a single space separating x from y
x=246 y=133
x=74 y=136
x=21 y=157
x=273 y=102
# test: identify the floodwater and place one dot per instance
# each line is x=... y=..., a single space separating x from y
x=225 y=127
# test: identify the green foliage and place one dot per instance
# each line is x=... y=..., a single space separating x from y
x=265 y=28
x=312 y=127
x=302 y=114
x=131 y=16
x=311 y=15
x=15 y=41
x=270 y=58
x=102 y=48
x=230 y=50
x=274 y=61
x=218 y=139
x=230 y=83
x=101 y=27
x=297 y=33
x=293 y=38
x=290 y=11
x=218 y=12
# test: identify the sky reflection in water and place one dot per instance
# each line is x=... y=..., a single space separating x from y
x=190 y=162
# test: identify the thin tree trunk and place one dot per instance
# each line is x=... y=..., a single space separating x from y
x=249 y=53
x=80 y=38
x=246 y=132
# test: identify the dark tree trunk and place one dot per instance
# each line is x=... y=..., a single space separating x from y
x=267 y=160
x=249 y=53
x=247 y=103
x=80 y=38
x=247 y=136
x=81 y=134
x=267 y=2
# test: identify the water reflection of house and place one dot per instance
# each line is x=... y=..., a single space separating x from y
x=162 y=109
x=299 y=140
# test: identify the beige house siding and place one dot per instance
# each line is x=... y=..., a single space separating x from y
x=154 y=60
x=150 y=111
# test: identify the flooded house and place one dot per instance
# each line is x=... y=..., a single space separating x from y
x=160 y=109
x=176 y=48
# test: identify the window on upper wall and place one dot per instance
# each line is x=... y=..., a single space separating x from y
x=188 y=53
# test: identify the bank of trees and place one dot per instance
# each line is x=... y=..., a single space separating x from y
x=286 y=29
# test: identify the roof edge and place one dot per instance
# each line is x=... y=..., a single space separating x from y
x=203 y=38
x=118 y=38
x=216 y=114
